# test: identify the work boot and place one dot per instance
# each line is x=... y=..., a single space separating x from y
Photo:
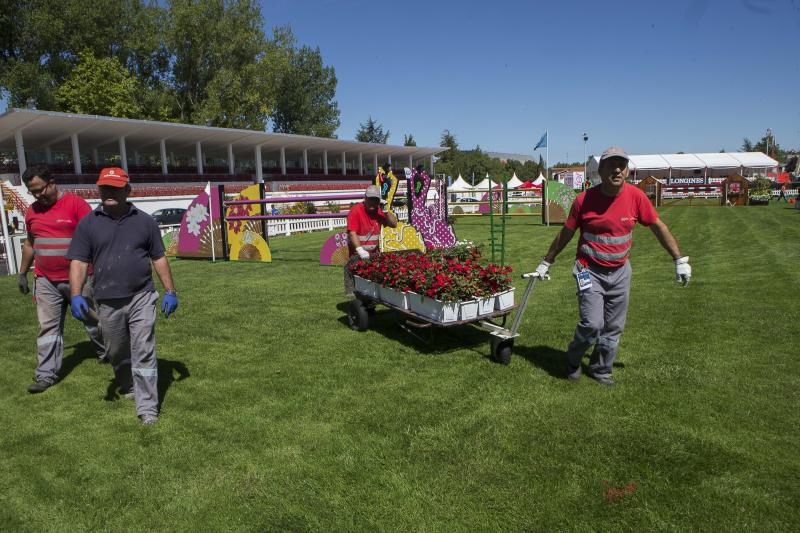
x=573 y=374
x=606 y=380
x=39 y=386
x=148 y=420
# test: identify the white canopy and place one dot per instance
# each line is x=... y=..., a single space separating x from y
x=722 y=160
x=539 y=180
x=485 y=185
x=514 y=182
x=460 y=185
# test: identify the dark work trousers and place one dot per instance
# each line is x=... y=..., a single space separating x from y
x=603 y=308
x=129 y=333
x=52 y=299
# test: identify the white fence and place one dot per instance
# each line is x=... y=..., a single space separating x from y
x=300 y=225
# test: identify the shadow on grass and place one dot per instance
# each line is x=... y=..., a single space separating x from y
x=551 y=360
x=81 y=351
x=166 y=377
x=389 y=323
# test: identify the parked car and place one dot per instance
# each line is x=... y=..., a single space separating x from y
x=166 y=217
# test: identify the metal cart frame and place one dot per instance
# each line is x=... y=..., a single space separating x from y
x=501 y=341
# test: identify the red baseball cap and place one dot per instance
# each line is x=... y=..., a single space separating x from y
x=113 y=177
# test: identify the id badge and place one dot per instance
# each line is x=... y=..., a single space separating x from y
x=584 y=280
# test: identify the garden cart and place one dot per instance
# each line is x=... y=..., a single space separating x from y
x=501 y=338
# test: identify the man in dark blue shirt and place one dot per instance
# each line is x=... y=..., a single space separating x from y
x=121 y=242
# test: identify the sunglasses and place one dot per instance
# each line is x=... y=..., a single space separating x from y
x=39 y=192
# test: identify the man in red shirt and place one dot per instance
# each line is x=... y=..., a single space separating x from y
x=51 y=221
x=606 y=215
x=364 y=223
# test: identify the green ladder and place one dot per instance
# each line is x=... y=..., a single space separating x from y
x=497 y=225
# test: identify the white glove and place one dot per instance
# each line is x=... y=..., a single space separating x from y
x=542 y=269
x=683 y=271
x=362 y=253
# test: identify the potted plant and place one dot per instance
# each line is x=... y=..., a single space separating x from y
x=497 y=280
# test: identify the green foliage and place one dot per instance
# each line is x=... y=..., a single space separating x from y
x=305 y=102
x=372 y=132
x=408 y=140
x=99 y=87
x=298 y=208
x=775 y=150
x=193 y=61
x=334 y=207
x=448 y=141
x=476 y=163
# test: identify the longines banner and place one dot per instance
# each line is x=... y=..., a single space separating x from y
x=686 y=181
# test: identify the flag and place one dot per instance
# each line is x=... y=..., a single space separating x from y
x=542 y=142
x=208 y=188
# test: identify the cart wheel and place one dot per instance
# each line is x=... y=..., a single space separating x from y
x=502 y=353
x=357 y=316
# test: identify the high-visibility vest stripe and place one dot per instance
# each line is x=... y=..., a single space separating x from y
x=51 y=240
x=605 y=256
x=607 y=239
x=50 y=251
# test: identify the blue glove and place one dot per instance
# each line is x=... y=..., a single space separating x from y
x=169 y=303
x=79 y=307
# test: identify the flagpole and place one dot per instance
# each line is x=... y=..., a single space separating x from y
x=211 y=223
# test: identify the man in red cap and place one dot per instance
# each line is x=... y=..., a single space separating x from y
x=606 y=215
x=51 y=221
x=364 y=223
x=122 y=243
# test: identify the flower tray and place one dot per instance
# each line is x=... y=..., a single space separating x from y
x=468 y=310
x=395 y=298
x=504 y=300
x=486 y=305
x=441 y=312
x=366 y=287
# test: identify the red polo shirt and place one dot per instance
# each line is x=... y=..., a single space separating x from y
x=366 y=226
x=52 y=228
x=606 y=223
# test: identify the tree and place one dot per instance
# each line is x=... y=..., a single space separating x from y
x=775 y=151
x=372 y=132
x=42 y=42
x=99 y=87
x=408 y=140
x=305 y=103
x=200 y=62
x=216 y=48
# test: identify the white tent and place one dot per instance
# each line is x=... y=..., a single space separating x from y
x=539 y=180
x=514 y=182
x=722 y=160
x=485 y=185
x=460 y=185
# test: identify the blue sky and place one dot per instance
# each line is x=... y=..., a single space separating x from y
x=651 y=76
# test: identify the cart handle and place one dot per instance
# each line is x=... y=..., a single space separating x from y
x=535 y=275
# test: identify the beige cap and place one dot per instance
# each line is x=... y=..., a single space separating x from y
x=373 y=192
x=614 y=151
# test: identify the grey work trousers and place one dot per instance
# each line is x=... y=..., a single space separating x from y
x=129 y=333
x=603 y=308
x=52 y=299
x=349 y=280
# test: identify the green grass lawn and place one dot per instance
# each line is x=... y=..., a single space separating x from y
x=276 y=416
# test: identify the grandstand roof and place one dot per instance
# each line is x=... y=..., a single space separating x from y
x=49 y=128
